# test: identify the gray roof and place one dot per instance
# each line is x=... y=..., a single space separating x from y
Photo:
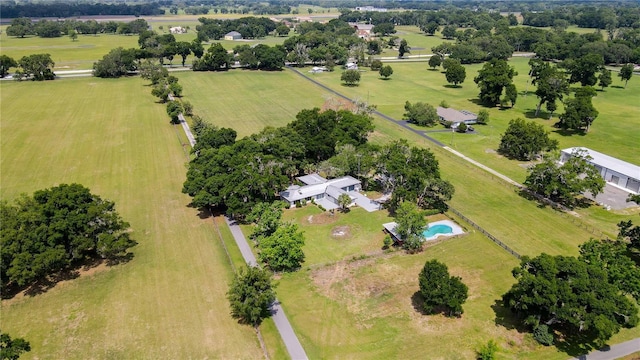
x=609 y=162
x=233 y=33
x=294 y=193
x=368 y=27
x=454 y=115
x=312 y=179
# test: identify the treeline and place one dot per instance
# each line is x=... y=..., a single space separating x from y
x=70 y=9
x=23 y=26
x=587 y=16
x=236 y=175
x=248 y=27
x=56 y=229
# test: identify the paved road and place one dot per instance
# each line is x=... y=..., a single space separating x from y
x=613 y=352
x=185 y=126
x=279 y=317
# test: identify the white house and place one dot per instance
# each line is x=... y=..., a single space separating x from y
x=322 y=191
x=177 y=30
x=616 y=172
x=233 y=35
x=456 y=117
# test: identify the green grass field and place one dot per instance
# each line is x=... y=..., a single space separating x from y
x=333 y=315
x=168 y=302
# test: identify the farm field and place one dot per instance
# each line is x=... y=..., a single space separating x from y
x=614 y=132
x=247 y=101
x=168 y=301
x=334 y=316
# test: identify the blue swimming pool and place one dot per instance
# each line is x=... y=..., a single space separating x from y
x=434 y=230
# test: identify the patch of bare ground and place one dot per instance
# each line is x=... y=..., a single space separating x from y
x=341 y=232
x=323 y=218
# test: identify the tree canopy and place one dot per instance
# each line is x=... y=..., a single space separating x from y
x=38 y=67
x=563 y=183
x=251 y=294
x=579 y=111
x=116 y=63
x=5 y=64
x=523 y=140
x=410 y=225
x=412 y=174
x=282 y=250
x=54 y=229
x=626 y=71
x=574 y=297
x=11 y=349
x=350 y=77
x=495 y=77
x=441 y=291
x=420 y=114
x=215 y=59
x=455 y=74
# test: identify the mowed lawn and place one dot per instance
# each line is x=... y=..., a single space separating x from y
x=169 y=300
x=247 y=101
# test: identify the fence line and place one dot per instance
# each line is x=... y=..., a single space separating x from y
x=485 y=232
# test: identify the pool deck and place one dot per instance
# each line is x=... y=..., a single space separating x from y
x=456 y=229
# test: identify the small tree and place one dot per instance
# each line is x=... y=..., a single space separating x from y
x=5 y=64
x=488 y=351
x=440 y=290
x=462 y=128
x=625 y=73
x=604 y=80
x=250 y=295
x=420 y=113
x=386 y=242
x=376 y=65
x=344 y=200
x=410 y=225
x=455 y=74
x=483 y=117
x=174 y=108
x=435 y=61
x=404 y=48
x=386 y=71
x=188 y=108
x=176 y=89
x=161 y=91
x=523 y=140
x=282 y=250
x=350 y=77
x=73 y=35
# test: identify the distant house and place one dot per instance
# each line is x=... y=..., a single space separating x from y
x=322 y=191
x=178 y=30
x=370 y=8
x=362 y=30
x=616 y=172
x=351 y=66
x=233 y=35
x=456 y=117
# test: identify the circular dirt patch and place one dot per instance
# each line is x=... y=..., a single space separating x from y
x=341 y=232
x=323 y=218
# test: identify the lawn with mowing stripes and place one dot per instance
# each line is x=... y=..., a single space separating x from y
x=247 y=101
x=169 y=300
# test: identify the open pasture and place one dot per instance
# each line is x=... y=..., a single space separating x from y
x=169 y=300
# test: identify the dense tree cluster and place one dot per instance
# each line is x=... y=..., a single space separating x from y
x=236 y=175
x=251 y=294
x=524 y=140
x=441 y=291
x=6 y=63
x=412 y=174
x=282 y=250
x=328 y=44
x=70 y=9
x=21 y=27
x=563 y=183
x=586 y=298
x=54 y=229
x=37 y=67
x=118 y=62
x=261 y=57
x=420 y=114
x=579 y=111
x=249 y=27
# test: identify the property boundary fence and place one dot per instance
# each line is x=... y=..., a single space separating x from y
x=485 y=232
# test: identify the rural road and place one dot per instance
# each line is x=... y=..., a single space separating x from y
x=185 y=126
x=614 y=351
x=291 y=342
x=289 y=337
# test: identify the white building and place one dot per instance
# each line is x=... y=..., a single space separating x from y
x=177 y=30
x=616 y=172
x=233 y=35
x=321 y=190
x=370 y=8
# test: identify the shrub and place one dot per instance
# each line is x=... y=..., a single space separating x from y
x=444 y=104
x=376 y=65
x=174 y=108
x=386 y=242
x=462 y=127
x=488 y=351
x=542 y=335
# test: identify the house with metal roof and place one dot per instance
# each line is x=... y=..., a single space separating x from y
x=616 y=172
x=456 y=116
x=233 y=35
x=322 y=191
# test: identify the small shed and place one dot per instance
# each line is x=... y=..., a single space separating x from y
x=233 y=35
